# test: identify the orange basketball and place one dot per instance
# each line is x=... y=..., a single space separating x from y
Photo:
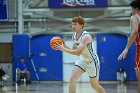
x=55 y=40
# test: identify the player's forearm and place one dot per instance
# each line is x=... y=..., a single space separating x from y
x=66 y=46
x=131 y=39
x=71 y=51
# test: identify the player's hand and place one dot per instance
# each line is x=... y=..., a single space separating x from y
x=123 y=54
x=59 y=46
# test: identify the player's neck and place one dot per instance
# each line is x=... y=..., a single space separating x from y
x=138 y=12
x=79 y=32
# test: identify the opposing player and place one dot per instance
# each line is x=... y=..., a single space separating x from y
x=134 y=37
x=82 y=47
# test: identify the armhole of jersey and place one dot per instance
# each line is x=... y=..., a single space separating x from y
x=85 y=34
x=138 y=19
x=89 y=43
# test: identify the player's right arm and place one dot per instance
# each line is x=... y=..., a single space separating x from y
x=74 y=46
x=85 y=40
x=66 y=46
x=132 y=37
x=134 y=32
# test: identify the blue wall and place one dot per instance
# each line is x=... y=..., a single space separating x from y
x=109 y=51
x=20 y=48
x=48 y=66
x=52 y=62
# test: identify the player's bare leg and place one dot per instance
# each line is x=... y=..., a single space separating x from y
x=96 y=86
x=76 y=73
x=138 y=78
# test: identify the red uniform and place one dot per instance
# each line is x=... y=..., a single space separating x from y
x=137 y=42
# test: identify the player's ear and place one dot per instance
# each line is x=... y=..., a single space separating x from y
x=137 y=9
x=82 y=25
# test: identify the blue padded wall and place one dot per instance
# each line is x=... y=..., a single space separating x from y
x=109 y=46
x=48 y=61
x=20 y=48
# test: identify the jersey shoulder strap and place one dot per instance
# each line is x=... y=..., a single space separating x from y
x=138 y=19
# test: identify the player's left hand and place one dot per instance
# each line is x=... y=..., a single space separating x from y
x=59 y=46
x=123 y=54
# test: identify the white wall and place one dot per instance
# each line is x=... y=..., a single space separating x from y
x=5 y=38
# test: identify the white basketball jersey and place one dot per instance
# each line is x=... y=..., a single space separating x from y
x=88 y=54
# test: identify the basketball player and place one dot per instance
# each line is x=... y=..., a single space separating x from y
x=134 y=36
x=82 y=47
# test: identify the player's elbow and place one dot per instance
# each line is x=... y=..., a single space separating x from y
x=77 y=53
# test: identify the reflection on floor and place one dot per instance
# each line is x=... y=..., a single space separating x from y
x=59 y=87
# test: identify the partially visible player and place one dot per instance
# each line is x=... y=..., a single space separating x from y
x=134 y=37
x=82 y=47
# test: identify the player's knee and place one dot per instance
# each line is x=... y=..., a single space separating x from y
x=95 y=86
x=72 y=80
x=138 y=79
x=139 y=83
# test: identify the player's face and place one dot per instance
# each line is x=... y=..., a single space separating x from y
x=120 y=69
x=134 y=10
x=22 y=60
x=76 y=26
